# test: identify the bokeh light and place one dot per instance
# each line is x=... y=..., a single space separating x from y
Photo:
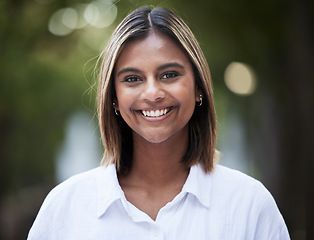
x=70 y=18
x=98 y=14
x=101 y=14
x=81 y=21
x=63 y=21
x=240 y=78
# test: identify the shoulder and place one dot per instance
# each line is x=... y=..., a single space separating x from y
x=75 y=184
x=223 y=185
x=248 y=199
x=72 y=193
x=80 y=190
x=67 y=203
x=228 y=178
x=245 y=192
x=232 y=174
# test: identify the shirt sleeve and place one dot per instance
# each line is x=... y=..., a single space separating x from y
x=50 y=222
x=270 y=223
x=42 y=226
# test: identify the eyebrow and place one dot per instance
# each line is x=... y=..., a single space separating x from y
x=173 y=64
x=124 y=70
x=135 y=70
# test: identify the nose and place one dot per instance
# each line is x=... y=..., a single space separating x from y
x=153 y=90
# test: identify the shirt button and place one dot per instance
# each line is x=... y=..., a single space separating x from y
x=156 y=233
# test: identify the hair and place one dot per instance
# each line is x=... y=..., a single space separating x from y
x=115 y=133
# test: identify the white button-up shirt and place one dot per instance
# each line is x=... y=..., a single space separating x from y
x=224 y=204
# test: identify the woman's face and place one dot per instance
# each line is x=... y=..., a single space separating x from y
x=155 y=88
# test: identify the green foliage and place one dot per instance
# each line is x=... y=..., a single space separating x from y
x=42 y=82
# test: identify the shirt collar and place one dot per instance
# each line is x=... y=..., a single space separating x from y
x=108 y=188
x=199 y=184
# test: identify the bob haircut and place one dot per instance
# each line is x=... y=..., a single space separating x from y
x=116 y=134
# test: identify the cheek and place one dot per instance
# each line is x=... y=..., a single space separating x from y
x=125 y=98
x=188 y=98
x=186 y=92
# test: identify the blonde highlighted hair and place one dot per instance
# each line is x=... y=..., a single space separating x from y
x=116 y=134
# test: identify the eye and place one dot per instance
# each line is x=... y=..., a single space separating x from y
x=169 y=75
x=131 y=79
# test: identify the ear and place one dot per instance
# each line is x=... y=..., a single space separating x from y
x=115 y=104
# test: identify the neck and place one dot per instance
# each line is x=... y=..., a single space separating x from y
x=159 y=164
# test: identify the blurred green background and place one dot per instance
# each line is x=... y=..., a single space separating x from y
x=261 y=59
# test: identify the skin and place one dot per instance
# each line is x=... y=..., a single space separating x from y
x=152 y=74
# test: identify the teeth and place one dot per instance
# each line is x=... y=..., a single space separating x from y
x=156 y=113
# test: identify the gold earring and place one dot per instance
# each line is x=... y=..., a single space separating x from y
x=115 y=110
x=200 y=102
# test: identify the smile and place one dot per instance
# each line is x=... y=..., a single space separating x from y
x=156 y=113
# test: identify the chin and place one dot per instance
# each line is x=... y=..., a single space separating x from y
x=155 y=138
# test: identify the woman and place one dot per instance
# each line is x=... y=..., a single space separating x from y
x=158 y=178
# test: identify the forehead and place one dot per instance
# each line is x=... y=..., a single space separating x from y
x=153 y=48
